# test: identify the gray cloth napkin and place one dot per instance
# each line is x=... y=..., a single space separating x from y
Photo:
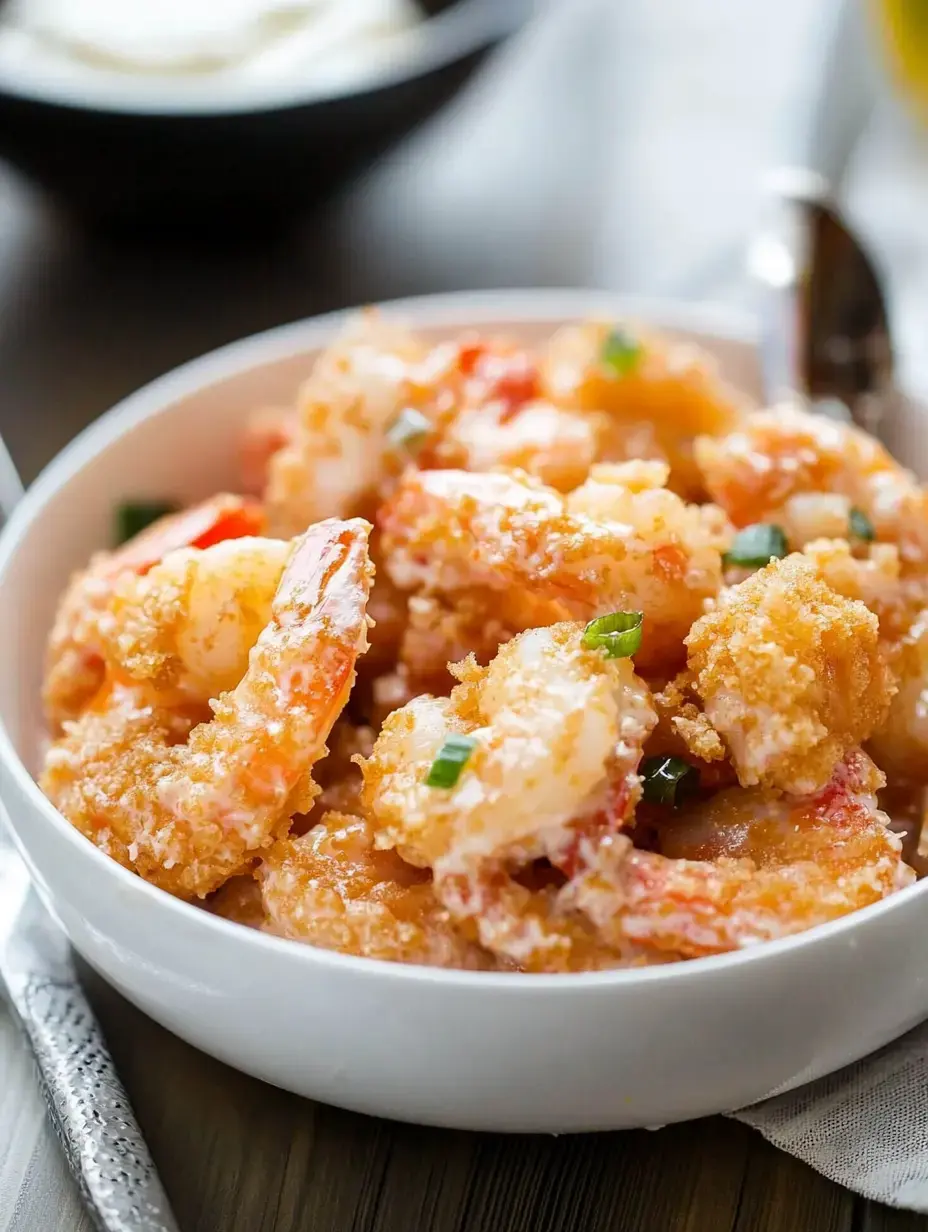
x=865 y=1126
x=622 y=145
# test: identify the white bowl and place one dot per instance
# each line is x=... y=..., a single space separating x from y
x=556 y=1053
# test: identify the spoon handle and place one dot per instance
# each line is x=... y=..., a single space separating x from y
x=843 y=94
x=87 y=1104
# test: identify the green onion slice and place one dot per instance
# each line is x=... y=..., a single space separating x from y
x=860 y=526
x=667 y=780
x=451 y=760
x=621 y=353
x=757 y=545
x=134 y=516
x=618 y=635
x=408 y=432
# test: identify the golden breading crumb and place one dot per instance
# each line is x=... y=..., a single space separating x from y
x=682 y=723
x=790 y=674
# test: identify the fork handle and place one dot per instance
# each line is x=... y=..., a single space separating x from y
x=89 y=1108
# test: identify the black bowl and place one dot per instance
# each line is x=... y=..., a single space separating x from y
x=128 y=167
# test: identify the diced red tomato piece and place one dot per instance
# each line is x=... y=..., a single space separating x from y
x=200 y=526
x=508 y=377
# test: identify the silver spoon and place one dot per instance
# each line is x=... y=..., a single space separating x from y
x=825 y=335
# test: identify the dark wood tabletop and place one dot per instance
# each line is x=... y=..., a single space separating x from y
x=80 y=326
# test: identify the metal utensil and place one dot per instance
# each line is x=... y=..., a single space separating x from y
x=88 y=1107
x=824 y=326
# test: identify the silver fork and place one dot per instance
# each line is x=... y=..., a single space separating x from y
x=88 y=1107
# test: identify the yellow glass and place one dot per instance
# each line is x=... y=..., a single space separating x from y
x=904 y=24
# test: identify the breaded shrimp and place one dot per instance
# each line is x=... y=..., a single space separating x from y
x=874 y=575
x=498 y=420
x=899 y=599
x=683 y=730
x=652 y=403
x=641 y=549
x=748 y=866
x=187 y=626
x=488 y=414
x=556 y=732
x=765 y=470
x=551 y=443
x=74 y=662
x=790 y=674
x=188 y=806
x=333 y=888
x=339 y=454
x=900 y=744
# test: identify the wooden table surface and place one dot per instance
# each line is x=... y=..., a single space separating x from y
x=79 y=327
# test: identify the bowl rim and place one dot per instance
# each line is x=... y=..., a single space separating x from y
x=481 y=308
x=465 y=28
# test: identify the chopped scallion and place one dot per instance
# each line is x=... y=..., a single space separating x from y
x=667 y=780
x=757 y=545
x=134 y=516
x=618 y=634
x=621 y=353
x=860 y=526
x=408 y=431
x=451 y=760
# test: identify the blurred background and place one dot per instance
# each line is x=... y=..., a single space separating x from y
x=176 y=175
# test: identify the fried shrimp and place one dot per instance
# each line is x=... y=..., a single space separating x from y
x=610 y=701
x=74 y=661
x=650 y=396
x=749 y=866
x=333 y=888
x=767 y=468
x=339 y=455
x=555 y=445
x=187 y=626
x=790 y=675
x=900 y=745
x=188 y=806
x=555 y=732
x=638 y=548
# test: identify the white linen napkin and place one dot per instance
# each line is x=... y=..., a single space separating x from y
x=621 y=144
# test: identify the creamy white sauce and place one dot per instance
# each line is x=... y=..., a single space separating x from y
x=198 y=48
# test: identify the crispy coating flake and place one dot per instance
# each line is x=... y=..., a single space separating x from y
x=334 y=889
x=790 y=674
